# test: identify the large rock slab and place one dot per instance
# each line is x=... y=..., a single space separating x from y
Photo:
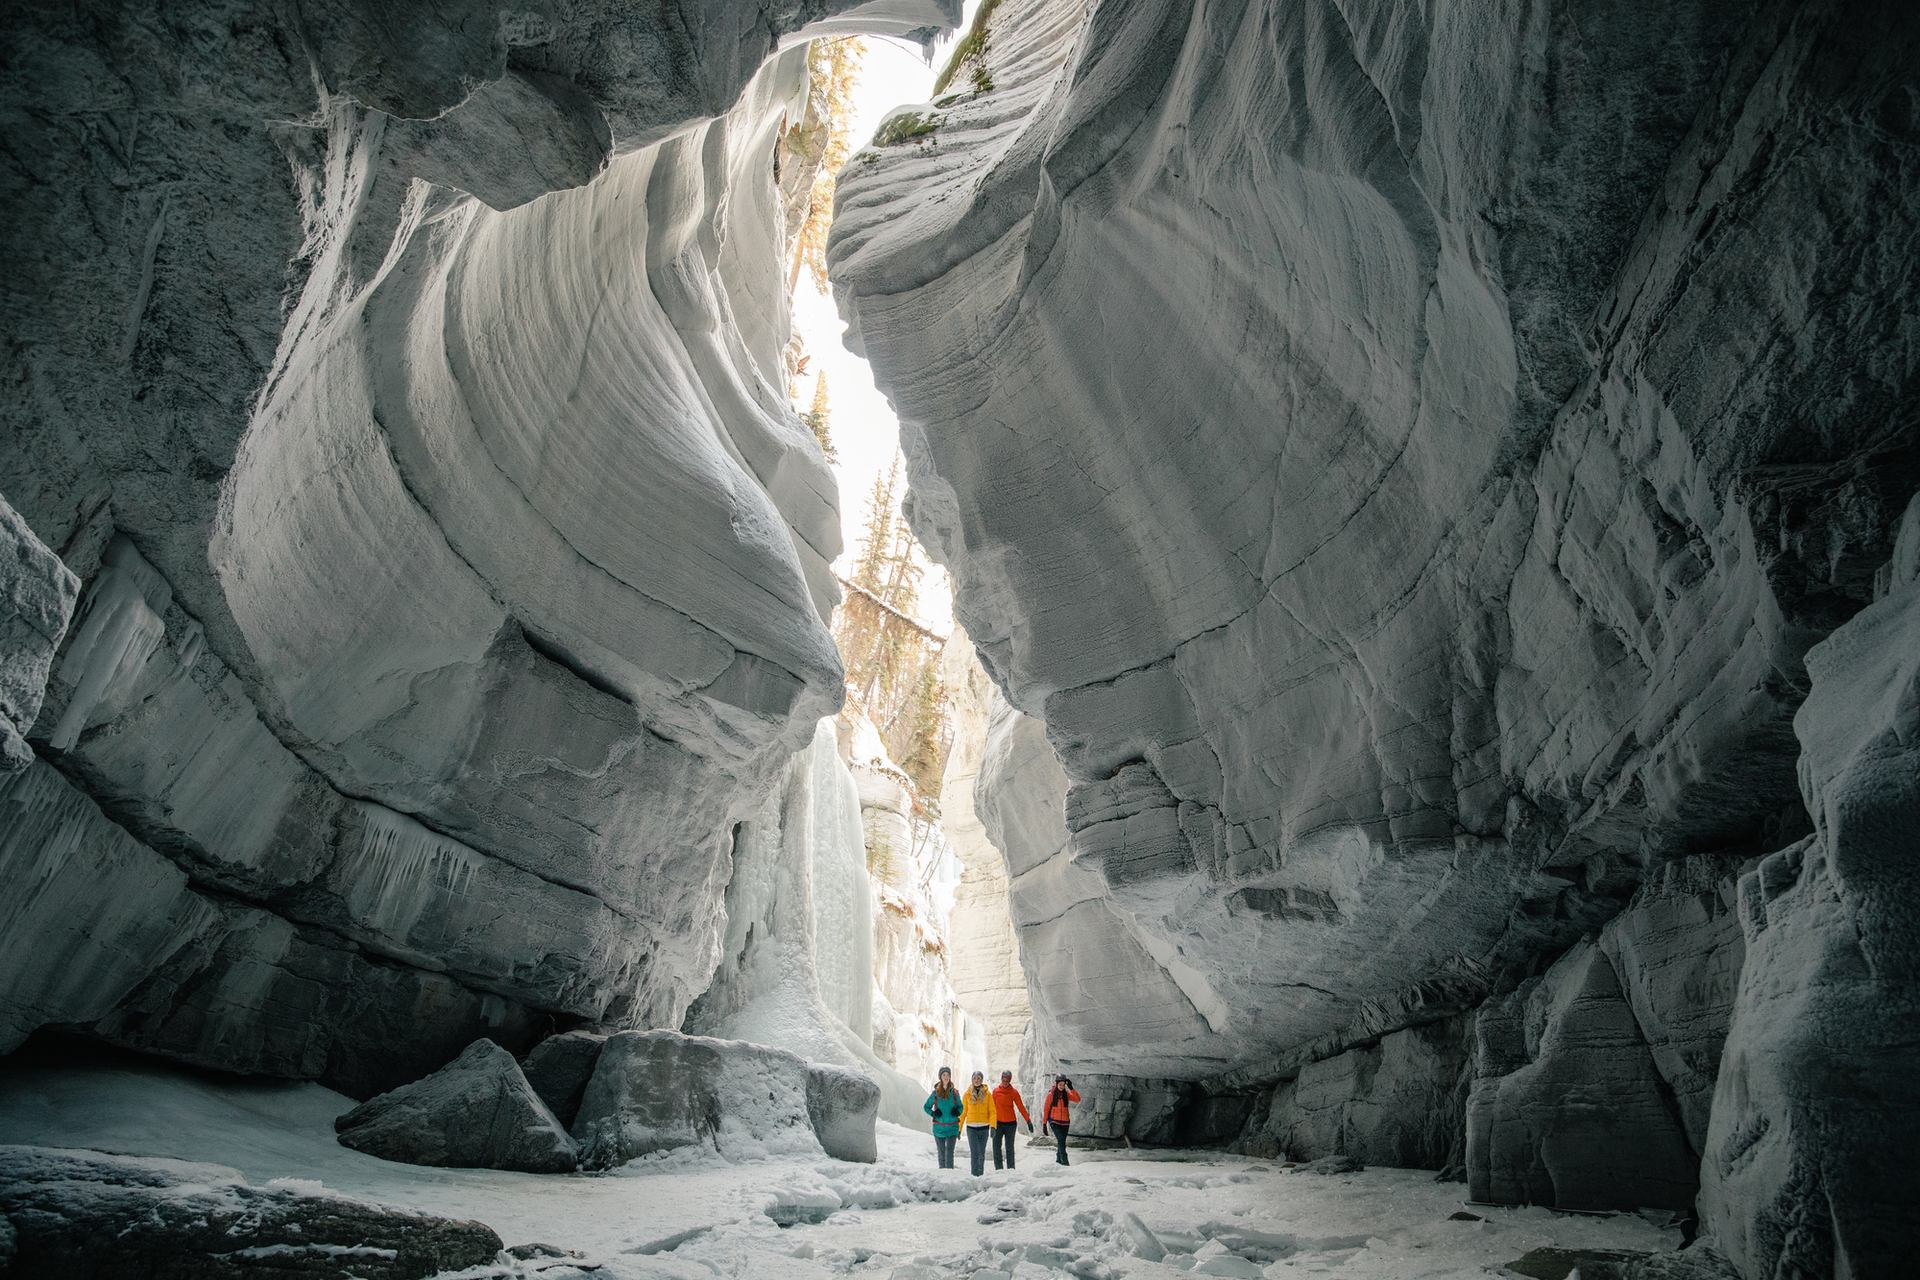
x=660 y=1091
x=90 y=1216
x=477 y=1112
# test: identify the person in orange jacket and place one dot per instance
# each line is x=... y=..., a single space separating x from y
x=1007 y=1100
x=1057 y=1114
x=976 y=1108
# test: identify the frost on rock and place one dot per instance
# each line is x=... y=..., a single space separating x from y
x=88 y=1215
x=985 y=963
x=656 y=1091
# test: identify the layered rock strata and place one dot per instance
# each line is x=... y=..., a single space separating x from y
x=1403 y=460
x=407 y=393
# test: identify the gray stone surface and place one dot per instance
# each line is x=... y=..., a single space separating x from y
x=559 y=1067
x=842 y=1106
x=986 y=970
x=1567 y=1107
x=1808 y=1166
x=477 y=1112
x=659 y=1090
x=1400 y=1102
x=37 y=593
x=90 y=1216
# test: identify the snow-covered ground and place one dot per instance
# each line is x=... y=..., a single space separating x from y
x=768 y=1218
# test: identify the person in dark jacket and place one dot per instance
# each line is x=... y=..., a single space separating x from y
x=943 y=1104
x=1057 y=1114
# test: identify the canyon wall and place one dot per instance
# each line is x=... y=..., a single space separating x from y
x=1401 y=459
x=401 y=394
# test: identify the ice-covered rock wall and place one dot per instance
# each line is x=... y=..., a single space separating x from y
x=985 y=960
x=919 y=1024
x=792 y=923
x=1403 y=455
x=404 y=390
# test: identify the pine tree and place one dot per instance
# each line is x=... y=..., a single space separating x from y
x=819 y=419
x=877 y=545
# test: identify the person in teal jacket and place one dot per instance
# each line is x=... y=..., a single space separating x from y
x=943 y=1104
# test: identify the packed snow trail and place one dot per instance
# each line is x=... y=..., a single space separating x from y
x=1110 y=1214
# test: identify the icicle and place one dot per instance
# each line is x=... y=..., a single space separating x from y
x=400 y=867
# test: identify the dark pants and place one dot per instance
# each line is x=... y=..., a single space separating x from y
x=1060 y=1141
x=943 y=1149
x=1003 y=1135
x=977 y=1147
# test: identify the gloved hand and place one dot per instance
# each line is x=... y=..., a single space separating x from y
x=1029 y=1127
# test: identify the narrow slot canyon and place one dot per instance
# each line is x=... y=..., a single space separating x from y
x=596 y=592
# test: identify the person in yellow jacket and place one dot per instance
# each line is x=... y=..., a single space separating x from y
x=977 y=1113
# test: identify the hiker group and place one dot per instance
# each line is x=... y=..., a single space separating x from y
x=991 y=1114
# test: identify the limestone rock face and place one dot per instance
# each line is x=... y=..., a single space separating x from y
x=406 y=395
x=1808 y=1159
x=1568 y=1108
x=1362 y=438
x=1399 y=461
x=98 y=1216
x=477 y=1112
x=1400 y=1102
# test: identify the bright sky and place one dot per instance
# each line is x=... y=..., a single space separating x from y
x=865 y=431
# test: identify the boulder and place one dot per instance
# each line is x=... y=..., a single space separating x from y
x=660 y=1090
x=477 y=1112
x=559 y=1067
x=91 y=1216
x=843 y=1106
